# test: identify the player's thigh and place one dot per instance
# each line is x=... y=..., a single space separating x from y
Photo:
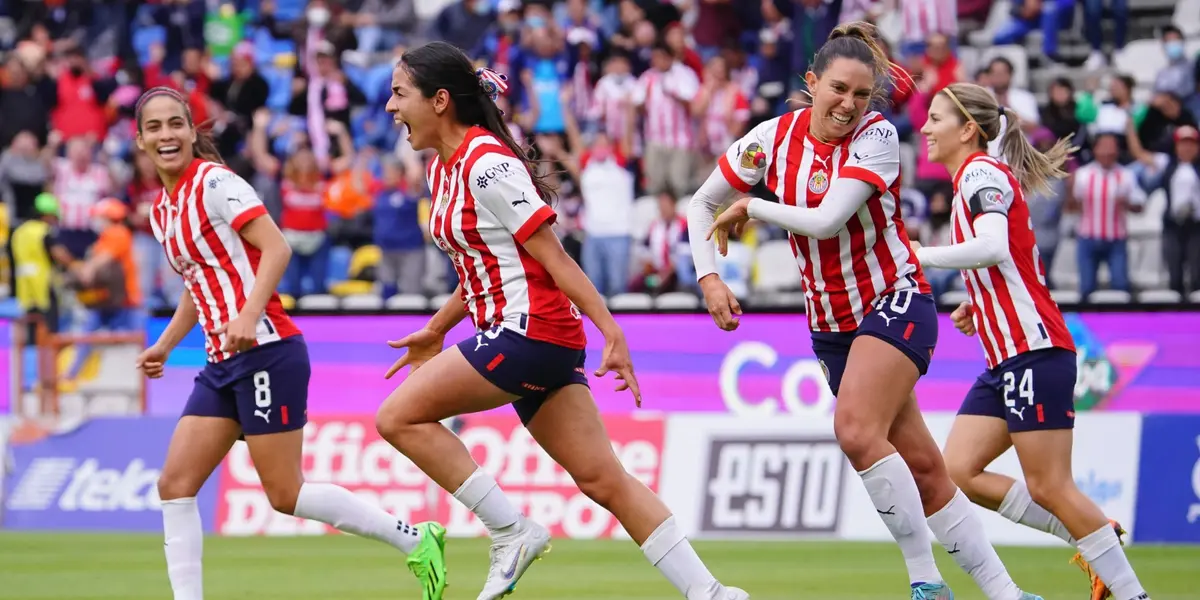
x=980 y=431
x=277 y=459
x=910 y=436
x=569 y=428
x=270 y=387
x=198 y=445
x=445 y=386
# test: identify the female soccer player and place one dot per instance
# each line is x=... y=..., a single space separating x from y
x=1025 y=398
x=520 y=289
x=836 y=168
x=217 y=235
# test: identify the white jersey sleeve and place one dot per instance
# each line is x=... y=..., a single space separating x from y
x=986 y=189
x=738 y=165
x=502 y=185
x=874 y=156
x=230 y=198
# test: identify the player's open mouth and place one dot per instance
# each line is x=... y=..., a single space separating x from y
x=168 y=152
x=841 y=119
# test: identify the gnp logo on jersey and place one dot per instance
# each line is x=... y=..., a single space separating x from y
x=878 y=132
x=1168 y=498
x=495 y=173
x=103 y=476
x=791 y=485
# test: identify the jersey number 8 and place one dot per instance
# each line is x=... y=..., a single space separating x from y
x=262 y=389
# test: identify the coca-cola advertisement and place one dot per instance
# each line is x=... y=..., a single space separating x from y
x=349 y=452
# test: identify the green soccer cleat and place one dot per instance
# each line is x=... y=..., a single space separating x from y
x=428 y=560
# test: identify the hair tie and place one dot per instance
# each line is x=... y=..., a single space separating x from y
x=1000 y=111
x=492 y=83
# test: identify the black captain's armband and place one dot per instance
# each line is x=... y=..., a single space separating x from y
x=987 y=200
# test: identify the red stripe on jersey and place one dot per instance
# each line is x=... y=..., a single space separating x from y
x=1004 y=297
x=217 y=247
x=781 y=132
x=830 y=250
x=470 y=230
x=278 y=317
x=791 y=193
x=731 y=176
x=472 y=285
x=240 y=221
x=185 y=228
x=540 y=217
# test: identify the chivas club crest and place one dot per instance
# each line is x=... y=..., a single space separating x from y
x=443 y=203
x=753 y=157
x=818 y=182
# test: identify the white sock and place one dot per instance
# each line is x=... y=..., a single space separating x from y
x=959 y=529
x=670 y=553
x=894 y=493
x=183 y=543
x=1102 y=549
x=483 y=496
x=341 y=508
x=1018 y=506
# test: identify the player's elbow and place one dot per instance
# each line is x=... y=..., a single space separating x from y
x=830 y=231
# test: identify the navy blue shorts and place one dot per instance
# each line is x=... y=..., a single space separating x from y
x=907 y=320
x=1032 y=391
x=528 y=368
x=265 y=388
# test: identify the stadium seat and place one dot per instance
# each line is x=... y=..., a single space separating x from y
x=778 y=300
x=1110 y=297
x=1146 y=268
x=954 y=297
x=677 y=301
x=1000 y=13
x=1064 y=271
x=1160 y=297
x=362 y=302
x=1065 y=296
x=318 y=302
x=631 y=302
x=1141 y=58
x=775 y=267
x=287 y=301
x=1194 y=297
x=440 y=300
x=408 y=302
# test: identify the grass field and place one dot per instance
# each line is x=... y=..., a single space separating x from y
x=131 y=567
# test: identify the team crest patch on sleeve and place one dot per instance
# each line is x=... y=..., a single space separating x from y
x=818 y=182
x=753 y=157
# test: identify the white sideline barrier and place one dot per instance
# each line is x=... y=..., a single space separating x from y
x=730 y=477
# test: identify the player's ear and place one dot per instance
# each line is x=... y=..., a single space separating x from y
x=141 y=144
x=810 y=79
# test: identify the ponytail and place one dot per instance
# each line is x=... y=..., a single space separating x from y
x=493 y=121
x=205 y=147
x=1035 y=170
x=858 y=40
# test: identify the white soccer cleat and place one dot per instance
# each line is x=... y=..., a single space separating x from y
x=511 y=555
x=716 y=591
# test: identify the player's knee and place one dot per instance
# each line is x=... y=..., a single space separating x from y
x=859 y=439
x=963 y=474
x=391 y=426
x=282 y=497
x=1047 y=491
x=603 y=485
x=174 y=486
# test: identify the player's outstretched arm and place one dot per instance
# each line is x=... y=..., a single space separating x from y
x=988 y=248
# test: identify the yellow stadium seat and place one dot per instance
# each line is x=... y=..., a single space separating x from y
x=288 y=302
x=363 y=258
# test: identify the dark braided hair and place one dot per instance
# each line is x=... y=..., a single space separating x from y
x=204 y=147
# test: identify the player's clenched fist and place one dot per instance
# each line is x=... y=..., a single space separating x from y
x=962 y=319
x=721 y=303
x=151 y=361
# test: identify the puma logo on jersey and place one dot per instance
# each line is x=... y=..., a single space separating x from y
x=886 y=319
x=479 y=343
x=523 y=200
x=1020 y=413
x=857 y=157
x=266 y=416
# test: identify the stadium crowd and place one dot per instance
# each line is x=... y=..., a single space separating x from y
x=625 y=102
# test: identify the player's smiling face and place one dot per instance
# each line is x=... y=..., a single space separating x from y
x=411 y=109
x=165 y=134
x=841 y=96
x=945 y=133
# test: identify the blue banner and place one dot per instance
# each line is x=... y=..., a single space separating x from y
x=101 y=476
x=1168 y=508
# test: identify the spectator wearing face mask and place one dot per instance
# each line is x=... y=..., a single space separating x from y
x=1177 y=77
x=1177 y=173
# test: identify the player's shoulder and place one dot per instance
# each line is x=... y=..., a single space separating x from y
x=874 y=127
x=491 y=161
x=217 y=175
x=983 y=171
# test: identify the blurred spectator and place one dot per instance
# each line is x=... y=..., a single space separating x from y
x=157 y=280
x=939 y=64
x=463 y=23
x=1046 y=208
x=1177 y=77
x=382 y=24
x=303 y=223
x=244 y=90
x=924 y=18
x=1165 y=114
x=1051 y=16
x=326 y=95
x=1059 y=114
x=348 y=198
x=400 y=232
x=1178 y=174
x=608 y=194
x=612 y=103
x=81 y=98
x=25 y=102
x=675 y=39
x=664 y=93
x=1104 y=191
x=35 y=255
x=667 y=260
x=1093 y=16
x=80 y=181
x=812 y=21
x=1113 y=114
x=23 y=175
x=717 y=23
x=543 y=77
x=773 y=65
x=722 y=109
x=107 y=279
x=1009 y=95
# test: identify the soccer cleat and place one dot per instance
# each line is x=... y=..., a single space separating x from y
x=931 y=591
x=1100 y=590
x=1028 y=596
x=511 y=555
x=715 y=591
x=428 y=560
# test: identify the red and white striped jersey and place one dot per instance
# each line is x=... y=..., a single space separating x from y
x=727 y=104
x=1012 y=307
x=610 y=107
x=1103 y=194
x=922 y=18
x=198 y=223
x=667 y=99
x=485 y=207
x=78 y=192
x=870 y=256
